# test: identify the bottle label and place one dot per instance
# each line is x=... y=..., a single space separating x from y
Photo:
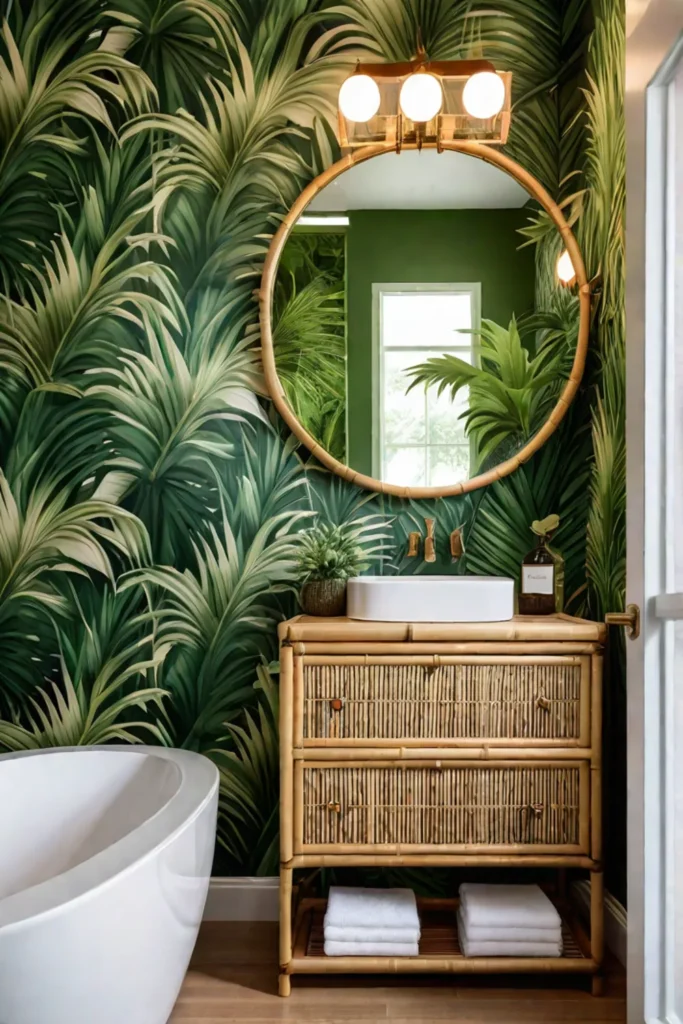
x=538 y=579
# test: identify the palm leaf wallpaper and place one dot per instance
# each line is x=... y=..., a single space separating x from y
x=150 y=500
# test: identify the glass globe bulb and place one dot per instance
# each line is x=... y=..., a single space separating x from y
x=359 y=98
x=565 y=268
x=421 y=97
x=484 y=95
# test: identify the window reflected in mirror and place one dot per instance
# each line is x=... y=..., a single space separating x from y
x=422 y=439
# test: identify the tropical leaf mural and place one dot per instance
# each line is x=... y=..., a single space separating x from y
x=150 y=500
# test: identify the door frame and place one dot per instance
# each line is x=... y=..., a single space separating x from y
x=652 y=55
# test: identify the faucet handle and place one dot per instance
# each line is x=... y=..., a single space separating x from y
x=414 y=545
x=457 y=546
x=430 y=548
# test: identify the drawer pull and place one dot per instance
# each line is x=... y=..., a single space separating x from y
x=543 y=703
x=336 y=704
x=332 y=806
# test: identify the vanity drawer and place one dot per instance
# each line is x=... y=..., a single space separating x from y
x=452 y=808
x=541 y=699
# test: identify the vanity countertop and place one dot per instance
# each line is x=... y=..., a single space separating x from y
x=521 y=628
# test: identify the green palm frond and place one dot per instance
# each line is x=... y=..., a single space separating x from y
x=46 y=96
x=179 y=44
x=169 y=432
x=69 y=320
x=248 y=804
x=219 y=613
x=43 y=537
x=602 y=239
x=243 y=148
x=501 y=534
x=268 y=480
x=102 y=686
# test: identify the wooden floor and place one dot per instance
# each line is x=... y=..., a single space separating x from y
x=233 y=977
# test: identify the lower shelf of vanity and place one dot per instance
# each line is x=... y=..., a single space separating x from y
x=439 y=948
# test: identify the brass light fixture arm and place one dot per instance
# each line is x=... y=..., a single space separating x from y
x=437 y=67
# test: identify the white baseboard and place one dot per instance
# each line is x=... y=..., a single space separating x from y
x=242 y=899
x=616 y=927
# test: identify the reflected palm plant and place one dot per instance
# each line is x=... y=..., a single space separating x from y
x=309 y=321
x=510 y=393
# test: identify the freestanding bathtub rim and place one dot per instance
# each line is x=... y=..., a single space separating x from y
x=199 y=779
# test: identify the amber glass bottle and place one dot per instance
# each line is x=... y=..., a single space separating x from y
x=542 y=573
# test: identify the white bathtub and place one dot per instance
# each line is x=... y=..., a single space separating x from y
x=105 y=858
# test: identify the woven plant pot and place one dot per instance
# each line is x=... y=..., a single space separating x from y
x=323 y=597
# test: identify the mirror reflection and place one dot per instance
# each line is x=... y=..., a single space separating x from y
x=406 y=328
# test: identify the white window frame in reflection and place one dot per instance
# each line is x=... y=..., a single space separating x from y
x=380 y=349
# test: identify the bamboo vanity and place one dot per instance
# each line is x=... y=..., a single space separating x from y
x=419 y=744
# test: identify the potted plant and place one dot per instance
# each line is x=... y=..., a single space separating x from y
x=330 y=555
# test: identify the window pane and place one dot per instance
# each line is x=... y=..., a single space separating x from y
x=404 y=466
x=426 y=319
x=404 y=414
x=444 y=423
x=449 y=465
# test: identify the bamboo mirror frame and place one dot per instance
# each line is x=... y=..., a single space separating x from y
x=275 y=387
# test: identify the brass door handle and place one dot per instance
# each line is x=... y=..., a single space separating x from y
x=630 y=619
x=537 y=810
x=332 y=806
x=543 y=703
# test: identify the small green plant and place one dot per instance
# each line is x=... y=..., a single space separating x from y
x=330 y=552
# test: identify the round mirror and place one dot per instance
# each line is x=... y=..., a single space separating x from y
x=404 y=337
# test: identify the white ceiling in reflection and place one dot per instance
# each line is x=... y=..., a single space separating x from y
x=425 y=180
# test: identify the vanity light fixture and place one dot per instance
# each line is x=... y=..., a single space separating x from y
x=420 y=102
x=421 y=96
x=359 y=98
x=484 y=95
x=565 y=268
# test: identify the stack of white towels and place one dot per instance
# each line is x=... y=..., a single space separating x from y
x=507 y=920
x=371 y=922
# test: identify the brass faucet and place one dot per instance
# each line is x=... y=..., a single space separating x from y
x=430 y=550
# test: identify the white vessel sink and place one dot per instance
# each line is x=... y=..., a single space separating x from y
x=431 y=598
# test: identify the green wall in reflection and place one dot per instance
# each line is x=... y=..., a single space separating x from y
x=435 y=247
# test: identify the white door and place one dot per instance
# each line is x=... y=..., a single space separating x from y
x=654 y=434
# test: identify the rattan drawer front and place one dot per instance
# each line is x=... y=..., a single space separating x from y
x=541 y=699
x=501 y=806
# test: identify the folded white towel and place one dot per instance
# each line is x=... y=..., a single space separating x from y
x=376 y=908
x=401 y=935
x=333 y=948
x=491 y=933
x=503 y=906
x=471 y=947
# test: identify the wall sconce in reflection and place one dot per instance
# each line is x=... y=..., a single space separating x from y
x=565 y=269
x=420 y=102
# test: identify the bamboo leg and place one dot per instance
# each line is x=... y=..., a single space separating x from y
x=284 y=986
x=597 y=925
